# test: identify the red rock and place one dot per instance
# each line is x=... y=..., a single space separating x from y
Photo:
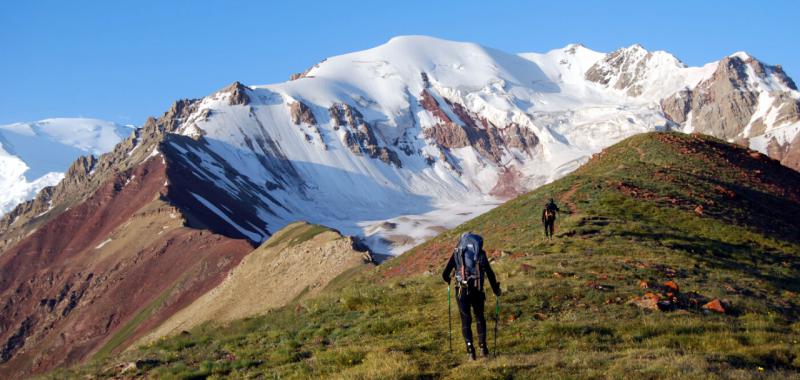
x=715 y=305
x=643 y=284
x=649 y=301
x=672 y=285
x=698 y=210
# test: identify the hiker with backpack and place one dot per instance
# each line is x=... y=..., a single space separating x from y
x=470 y=264
x=549 y=218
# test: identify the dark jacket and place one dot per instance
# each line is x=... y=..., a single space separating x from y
x=485 y=268
x=550 y=206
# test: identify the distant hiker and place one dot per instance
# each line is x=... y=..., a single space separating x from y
x=549 y=218
x=471 y=264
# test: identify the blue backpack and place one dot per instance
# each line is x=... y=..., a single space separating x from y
x=469 y=256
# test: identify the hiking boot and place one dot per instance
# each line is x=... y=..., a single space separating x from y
x=471 y=351
x=484 y=350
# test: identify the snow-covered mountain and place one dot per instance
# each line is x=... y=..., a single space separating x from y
x=35 y=155
x=398 y=142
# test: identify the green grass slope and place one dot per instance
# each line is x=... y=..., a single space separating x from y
x=717 y=220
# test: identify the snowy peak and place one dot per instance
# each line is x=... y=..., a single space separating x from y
x=236 y=93
x=634 y=70
x=36 y=154
x=771 y=78
x=566 y=65
x=743 y=55
x=91 y=136
x=382 y=73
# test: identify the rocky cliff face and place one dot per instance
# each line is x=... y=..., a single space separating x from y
x=787 y=153
x=473 y=130
x=741 y=100
x=622 y=70
x=721 y=105
x=632 y=69
x=358 y=135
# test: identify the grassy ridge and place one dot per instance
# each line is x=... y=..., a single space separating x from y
x=713 y=218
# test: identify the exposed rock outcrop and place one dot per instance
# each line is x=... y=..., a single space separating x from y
x=474 y=130
x=238 y=94
x=358 y=135
x=301 y=113
x=304 y=74
x=788 y=109
x=677 y=107
x=791 y=153
x=623 y=69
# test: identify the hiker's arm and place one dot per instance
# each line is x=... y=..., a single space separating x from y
x=490 y=276
x=451 y=264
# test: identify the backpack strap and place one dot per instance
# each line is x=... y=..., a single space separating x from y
x=479 y=261
x=459 y=259
x=463 y=267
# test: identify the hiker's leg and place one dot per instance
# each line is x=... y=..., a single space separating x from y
x=546 y=231
x=464 y=312
x=480 y=319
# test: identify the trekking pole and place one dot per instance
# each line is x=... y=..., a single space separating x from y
x=496 y=318
x=449 y=319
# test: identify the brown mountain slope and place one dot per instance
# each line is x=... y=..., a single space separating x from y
x=103 y=272
x=298 y=261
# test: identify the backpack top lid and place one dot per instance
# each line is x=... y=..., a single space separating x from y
x=470 y=241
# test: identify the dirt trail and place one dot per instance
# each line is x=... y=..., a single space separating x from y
x=641 y=153
x=566 y=197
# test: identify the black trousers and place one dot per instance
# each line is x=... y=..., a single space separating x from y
x=549 y=227
x=472 y=299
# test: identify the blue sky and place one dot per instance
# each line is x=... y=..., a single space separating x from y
x=126 y=60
